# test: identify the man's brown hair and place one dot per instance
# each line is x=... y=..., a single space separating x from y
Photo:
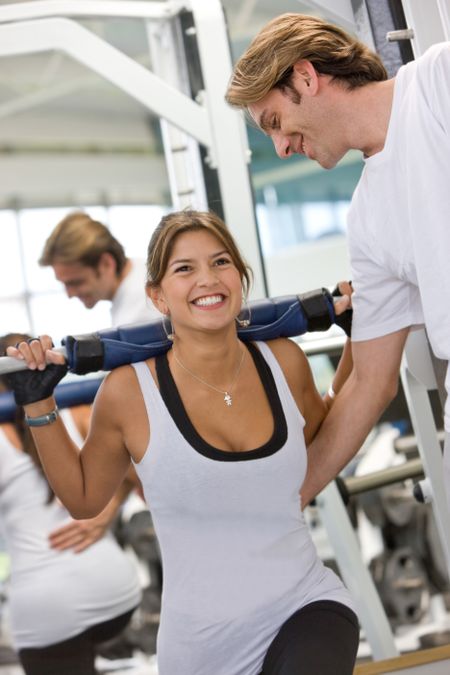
x=80 y=239
x=268 y=62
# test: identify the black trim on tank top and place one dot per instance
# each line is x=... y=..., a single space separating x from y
x=177 y=411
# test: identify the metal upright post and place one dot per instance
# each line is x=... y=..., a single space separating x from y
x=229 y=151
x=418 y=378
x=181 y=151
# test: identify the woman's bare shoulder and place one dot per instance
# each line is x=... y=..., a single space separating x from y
x=119 y=387
x=288 y=354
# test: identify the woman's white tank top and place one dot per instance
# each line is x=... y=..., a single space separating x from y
x=238 y=558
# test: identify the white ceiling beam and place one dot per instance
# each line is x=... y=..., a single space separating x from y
x=46 y=179
x=65 y=35
x=51 y=92
x=40 y=9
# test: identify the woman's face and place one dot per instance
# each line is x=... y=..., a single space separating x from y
x=201 y=287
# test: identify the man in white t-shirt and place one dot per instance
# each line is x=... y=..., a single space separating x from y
x=316 y=90
x=92 y=265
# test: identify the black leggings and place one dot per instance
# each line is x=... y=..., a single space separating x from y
x=320 y=639
x=75 y=656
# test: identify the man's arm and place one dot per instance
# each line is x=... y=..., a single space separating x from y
x=369 y=389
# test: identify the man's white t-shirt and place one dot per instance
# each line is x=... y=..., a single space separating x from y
x=399 y=220
x=131 y=303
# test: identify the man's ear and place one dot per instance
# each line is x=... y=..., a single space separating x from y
x=156 y=296
x=305 y=78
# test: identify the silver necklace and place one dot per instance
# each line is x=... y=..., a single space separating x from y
x=226 y=394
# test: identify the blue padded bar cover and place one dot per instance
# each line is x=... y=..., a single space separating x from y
x=270 y=318
x=7 y=407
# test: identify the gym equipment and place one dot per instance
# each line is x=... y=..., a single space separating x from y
x=402 y=584
x=412 y=565
x=138 y=533
x=436 y=639
x=354 y=485
x=284 y=316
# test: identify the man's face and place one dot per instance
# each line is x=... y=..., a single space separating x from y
x=89 y=284
x=304 y=126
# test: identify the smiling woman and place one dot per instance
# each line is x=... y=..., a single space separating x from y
x=194 y=256
x=218 y=435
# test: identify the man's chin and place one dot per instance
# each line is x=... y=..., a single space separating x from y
x=89 y=304
x=327 y=163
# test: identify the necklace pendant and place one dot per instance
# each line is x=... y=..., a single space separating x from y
x=227 y=398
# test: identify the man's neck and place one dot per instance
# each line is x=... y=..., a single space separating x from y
x=124 y=273
x=375 y=107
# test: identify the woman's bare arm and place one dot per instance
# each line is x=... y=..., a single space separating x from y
x=85 y=479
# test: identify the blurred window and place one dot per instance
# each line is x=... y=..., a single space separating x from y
x=31 y=300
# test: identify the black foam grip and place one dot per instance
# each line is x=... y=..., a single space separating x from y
x=88 y=350
x=317 y=306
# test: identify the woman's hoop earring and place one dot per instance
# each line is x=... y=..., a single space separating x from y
x=245 y=322
x=169 y=334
